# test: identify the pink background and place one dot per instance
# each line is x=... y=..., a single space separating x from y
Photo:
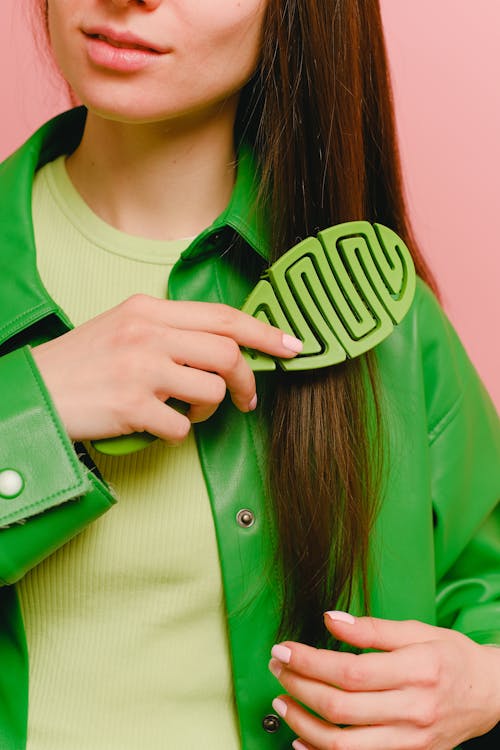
x=446 y=66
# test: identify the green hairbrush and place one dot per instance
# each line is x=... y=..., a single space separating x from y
x=341 y=293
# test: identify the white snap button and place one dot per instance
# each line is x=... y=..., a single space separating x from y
x=11 y=483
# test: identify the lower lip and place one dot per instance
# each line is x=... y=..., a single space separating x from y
x=124 y=60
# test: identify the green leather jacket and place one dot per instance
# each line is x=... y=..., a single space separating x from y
x=436 y=542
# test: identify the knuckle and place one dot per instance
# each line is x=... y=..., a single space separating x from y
x=178 y=431
x=330 y=708
x=425 y=714
x=225 y=315
x=434 y=674
x=217 y=390
x=131 y=331
x=431 y=671
x=135 y=303
x=353 y=675
x=125 y=410
x=230 y=354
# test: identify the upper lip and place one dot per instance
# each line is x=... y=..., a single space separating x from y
x=123 y=38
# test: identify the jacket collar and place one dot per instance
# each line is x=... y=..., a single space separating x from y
x=241 y=213
x=24 y=298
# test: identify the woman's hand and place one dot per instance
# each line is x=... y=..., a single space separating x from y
x=112 y=375
x=430 y=688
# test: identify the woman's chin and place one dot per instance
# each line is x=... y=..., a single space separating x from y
x=133 y=111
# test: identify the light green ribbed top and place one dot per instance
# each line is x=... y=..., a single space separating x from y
x=125 y=624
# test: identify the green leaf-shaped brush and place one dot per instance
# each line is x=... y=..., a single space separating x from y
x=341 y=293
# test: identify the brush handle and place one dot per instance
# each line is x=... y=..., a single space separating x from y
x=137 y=441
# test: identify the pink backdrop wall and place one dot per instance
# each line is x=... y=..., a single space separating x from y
x=446 y=67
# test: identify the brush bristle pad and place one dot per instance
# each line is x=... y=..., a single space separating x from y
x=341 y=293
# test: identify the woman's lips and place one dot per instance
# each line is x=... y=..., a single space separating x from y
x=121 y=52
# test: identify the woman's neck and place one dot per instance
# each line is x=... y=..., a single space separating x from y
x=156 y=180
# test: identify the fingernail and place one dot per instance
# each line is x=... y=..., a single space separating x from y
x=339 y=616
x=298 y=745
x=280 y=707
x=282 y=653
x=275 y=667
x=253 y=403
x=295 y=345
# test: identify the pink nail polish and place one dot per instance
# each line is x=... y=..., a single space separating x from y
x=339 y=616
x=282 y=653
x=275 y=667
x=253 y=403
x=298 y=745
x=295 y=345
x=280 y=707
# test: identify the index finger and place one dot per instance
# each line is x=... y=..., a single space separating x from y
x=356 y=672
x=218 y=318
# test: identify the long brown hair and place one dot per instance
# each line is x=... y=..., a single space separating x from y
x=319 y=114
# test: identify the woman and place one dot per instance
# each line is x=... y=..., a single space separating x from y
x=222 y=135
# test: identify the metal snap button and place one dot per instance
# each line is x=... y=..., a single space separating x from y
x=271 y=723
x=245 y=518
x=11 y=483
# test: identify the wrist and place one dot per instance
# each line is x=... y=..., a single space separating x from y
x=491 y=661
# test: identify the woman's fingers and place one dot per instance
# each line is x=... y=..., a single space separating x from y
x=343 y=707
x=321 y=735
x=375 y=632
x=101 y=373
x=434 y=692
x=356 y=672
x=405 y=661
x=163 y=421
x=211 y=353
x=315 y=734
x=220 y=319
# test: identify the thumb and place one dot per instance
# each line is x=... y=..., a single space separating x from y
x=373 y=632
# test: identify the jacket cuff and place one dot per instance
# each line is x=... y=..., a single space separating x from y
x=35 y=450
x=25 y=545
x=46 y=494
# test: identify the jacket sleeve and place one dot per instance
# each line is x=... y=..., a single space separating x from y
x=55 y=495
x=464 y=446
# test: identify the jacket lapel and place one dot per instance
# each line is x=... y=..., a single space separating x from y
x=25 y=301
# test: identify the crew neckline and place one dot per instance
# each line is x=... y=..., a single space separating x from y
x=98 y=231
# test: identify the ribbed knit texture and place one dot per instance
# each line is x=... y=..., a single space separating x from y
x=125 y=624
